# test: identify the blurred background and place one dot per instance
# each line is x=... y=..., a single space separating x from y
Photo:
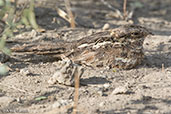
x=154 y=14
x=54 y=14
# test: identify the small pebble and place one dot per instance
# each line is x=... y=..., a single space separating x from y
x=66 y=73
x=106 y=86
x=25 y=72
x=120 y=90
x=106 y=26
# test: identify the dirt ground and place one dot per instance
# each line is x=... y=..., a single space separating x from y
x=145 y=89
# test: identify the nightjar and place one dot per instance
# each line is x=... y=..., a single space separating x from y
x=117 y=48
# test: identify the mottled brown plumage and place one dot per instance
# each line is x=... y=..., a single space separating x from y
x=121 y=47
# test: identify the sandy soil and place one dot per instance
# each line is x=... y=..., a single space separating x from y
x=144 y=89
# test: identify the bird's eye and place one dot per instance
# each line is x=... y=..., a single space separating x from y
x=135 y=33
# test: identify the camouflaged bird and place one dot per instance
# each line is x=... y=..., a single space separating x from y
x=116 y=48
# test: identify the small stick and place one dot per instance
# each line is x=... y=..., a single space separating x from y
x=124 y=9
x=76 y=95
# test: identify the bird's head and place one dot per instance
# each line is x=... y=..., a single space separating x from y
x=130 y=31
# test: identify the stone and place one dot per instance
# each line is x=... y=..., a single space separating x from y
x=66 y=73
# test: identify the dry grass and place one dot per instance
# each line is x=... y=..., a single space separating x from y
x=70 y=14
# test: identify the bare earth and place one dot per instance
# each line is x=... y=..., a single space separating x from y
x=144 y=89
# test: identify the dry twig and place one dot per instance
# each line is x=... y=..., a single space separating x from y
x=124 y=9
x=77 y=81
